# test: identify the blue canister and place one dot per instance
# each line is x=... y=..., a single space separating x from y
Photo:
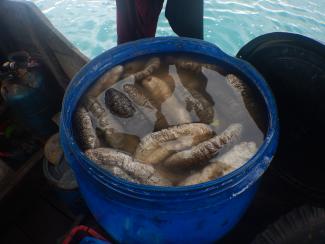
x=29 y=94
x=133 y=213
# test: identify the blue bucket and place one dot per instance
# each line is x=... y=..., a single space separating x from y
x=133 y=213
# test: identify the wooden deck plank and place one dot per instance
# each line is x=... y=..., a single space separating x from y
x=13 y=179
x=43 y=223
x=16 y=235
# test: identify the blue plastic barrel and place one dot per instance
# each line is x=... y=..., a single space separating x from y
x=133 y=213
x=91 y=240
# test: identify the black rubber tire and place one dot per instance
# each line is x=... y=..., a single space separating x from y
x=294 y=67
x=305 y=225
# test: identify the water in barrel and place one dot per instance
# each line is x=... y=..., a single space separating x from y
x=170 y=120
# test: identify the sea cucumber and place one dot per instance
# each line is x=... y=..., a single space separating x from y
x=205 y=150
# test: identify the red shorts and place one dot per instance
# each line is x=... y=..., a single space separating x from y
x=138 y=18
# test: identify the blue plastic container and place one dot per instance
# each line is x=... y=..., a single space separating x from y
x=133 y=213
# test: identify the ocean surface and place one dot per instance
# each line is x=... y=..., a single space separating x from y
x=91 y=24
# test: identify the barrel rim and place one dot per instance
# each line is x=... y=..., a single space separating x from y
x=122 y=53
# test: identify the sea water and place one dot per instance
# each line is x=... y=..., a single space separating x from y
x=229 y=24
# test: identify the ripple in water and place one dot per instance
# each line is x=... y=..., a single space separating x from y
x=91 y=25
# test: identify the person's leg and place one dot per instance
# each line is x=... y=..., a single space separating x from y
x=148 y=13
x=186 y=17
x=125 y=21
x=137 y=19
